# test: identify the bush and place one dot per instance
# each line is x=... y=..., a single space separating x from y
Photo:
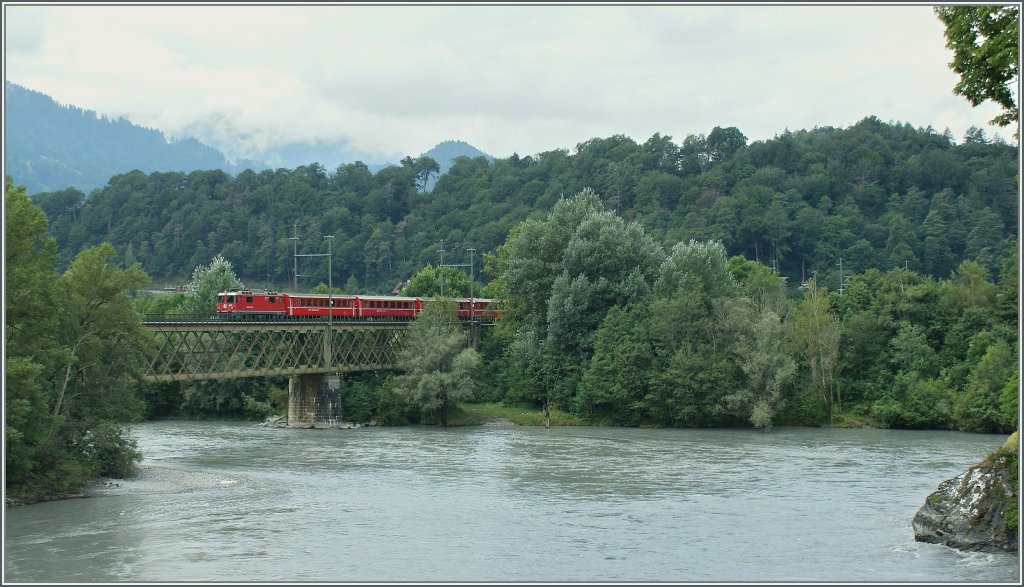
x=255 y=409
x=113 y=450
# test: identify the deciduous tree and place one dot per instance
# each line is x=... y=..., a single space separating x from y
x=984 y=40
x=437 y=362
x=207 y=282
x=816 y=339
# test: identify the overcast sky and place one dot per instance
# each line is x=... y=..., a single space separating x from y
x=397 y=80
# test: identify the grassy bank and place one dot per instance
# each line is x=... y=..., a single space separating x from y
x=474 y=414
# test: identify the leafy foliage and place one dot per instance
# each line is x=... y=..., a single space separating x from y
x=74 y=347
x=207 y=282
x=801 y=200
x=984 y=40
x=438 y=367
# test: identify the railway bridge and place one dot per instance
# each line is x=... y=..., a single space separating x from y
x=313 y=354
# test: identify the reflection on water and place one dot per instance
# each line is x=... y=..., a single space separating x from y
x=236 y=502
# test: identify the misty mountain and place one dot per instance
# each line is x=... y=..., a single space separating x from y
x=50 y=146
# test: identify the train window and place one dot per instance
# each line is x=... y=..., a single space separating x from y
x=273 y=300
x=248 y=299
x=231 y=299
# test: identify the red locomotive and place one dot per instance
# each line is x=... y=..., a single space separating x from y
x=273 y=305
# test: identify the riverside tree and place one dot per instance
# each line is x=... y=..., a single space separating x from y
x=437 y=362
x=559 y=277
x=74 y=347
x=816 y=338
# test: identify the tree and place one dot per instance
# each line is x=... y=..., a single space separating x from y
x=984 y=40
x=207 y=282
x=438 y=365
x=615 y=383
x=980 y=407
x=816 y=339
x=723 y=143
x=30 y=334
x=531 y=258
x=768 y=368
x=74 y=348
x=427 y=283
x=104 y=336
x=699 y=267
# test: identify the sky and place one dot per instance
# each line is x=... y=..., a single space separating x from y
x=393 y=80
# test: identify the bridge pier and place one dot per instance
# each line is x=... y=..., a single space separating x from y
x=314 y=401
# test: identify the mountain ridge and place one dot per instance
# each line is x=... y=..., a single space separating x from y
x=51 y=146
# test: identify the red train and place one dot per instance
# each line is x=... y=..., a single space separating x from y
x=271 y=305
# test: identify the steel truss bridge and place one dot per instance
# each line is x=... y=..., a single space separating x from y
x=191 y=348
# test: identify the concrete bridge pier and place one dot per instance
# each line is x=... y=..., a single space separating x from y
x=314 y=401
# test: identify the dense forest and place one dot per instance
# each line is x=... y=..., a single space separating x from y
x=821 y=202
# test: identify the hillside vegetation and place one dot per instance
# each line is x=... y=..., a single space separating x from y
x=860 y=275
x=875 y=195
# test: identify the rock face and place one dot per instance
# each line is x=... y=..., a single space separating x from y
x=969 y=512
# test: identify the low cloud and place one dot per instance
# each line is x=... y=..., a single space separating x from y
x=399 y=79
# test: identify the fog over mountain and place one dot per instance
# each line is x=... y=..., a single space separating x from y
x=51 y=146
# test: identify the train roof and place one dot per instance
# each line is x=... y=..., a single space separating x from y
x=247 y=292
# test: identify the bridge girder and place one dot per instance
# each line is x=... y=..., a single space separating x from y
x=192 y=351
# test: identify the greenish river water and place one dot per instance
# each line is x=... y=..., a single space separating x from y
x=237 y=502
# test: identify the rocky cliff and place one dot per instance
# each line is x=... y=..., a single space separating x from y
x=977 y=510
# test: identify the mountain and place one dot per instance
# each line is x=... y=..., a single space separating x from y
x=446 y=152
x=50 y=146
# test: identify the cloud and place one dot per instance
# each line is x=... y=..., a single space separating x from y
x=390 y=80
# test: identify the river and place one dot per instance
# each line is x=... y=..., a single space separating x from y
x=237 y=502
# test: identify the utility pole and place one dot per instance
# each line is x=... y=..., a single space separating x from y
x=295 y=260
x=330 y=348
x=842 y=281
x=330 y=302
x=472 y=304
x=440 y=269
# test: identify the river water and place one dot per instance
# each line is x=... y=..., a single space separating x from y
x=236 y=502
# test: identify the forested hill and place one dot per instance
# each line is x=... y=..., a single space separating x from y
x=52 y=147
x=875 y=194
